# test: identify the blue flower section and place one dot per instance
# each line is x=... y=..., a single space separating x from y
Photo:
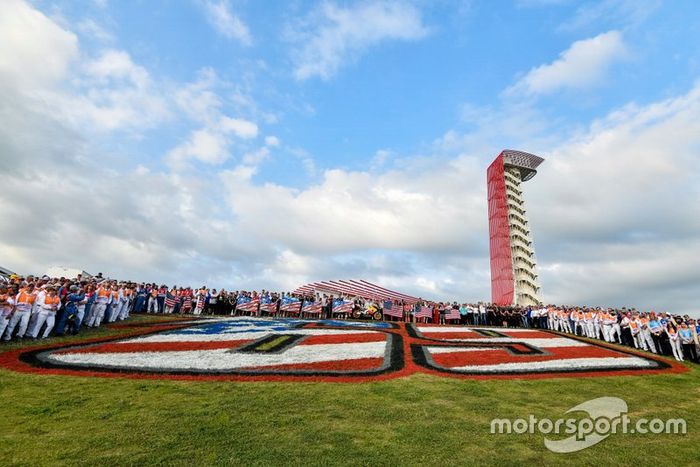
x=270 y=324
x=234 y=327
x=355 y=324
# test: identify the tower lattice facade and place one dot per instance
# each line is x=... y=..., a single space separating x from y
x=514 y=279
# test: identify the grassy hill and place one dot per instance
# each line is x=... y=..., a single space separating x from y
x=419 y=420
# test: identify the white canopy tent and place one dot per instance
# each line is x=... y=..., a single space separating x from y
x=68 y=273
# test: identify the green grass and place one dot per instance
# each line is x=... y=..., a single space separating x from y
x=419 y=420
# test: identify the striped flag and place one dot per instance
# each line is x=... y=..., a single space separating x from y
x=424 y=312
x=290 y=305
x=451 y=313
x=392 y=310
x=312 y=307
x=343 y=306
x=251 y=305
x=270 y=307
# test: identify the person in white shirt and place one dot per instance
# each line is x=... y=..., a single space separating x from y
x=48 y=304
x=7 y=307
x=97 y=311
x=615 y=330
x=482 y=314
x=24 y=302
x=40 y=293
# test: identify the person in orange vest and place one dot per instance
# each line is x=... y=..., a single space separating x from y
x=24 y=302
x=635 y=331
x=118 y=301
x=644 y=320
x=577 y=318
x=48 y=304
x=588 y=321
x=103 y=296
x=615 y=330
x=7 y=307
x=564 y=322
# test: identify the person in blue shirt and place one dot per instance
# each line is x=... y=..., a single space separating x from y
x=688 y=342
x=70 y=315
x=656 y=331
x=141 y=297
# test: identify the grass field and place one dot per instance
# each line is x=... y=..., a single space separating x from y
x=419 y=420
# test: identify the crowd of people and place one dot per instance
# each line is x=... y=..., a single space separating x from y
x=38 y=306
x=660 y=333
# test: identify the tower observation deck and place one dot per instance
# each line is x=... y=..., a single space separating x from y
x=514 y=279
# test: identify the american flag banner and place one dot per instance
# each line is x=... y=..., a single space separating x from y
x=451 y=313
x=170 y=301
x=392 y=310
x=269 y=307
x=290 y=305
x=312 y=307
x=251 y=306
x=424 y=312
x=201 y=302
x=343 y=306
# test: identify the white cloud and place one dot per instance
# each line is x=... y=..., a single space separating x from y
x=628 y=13
x=203 y=144
x=335 y=35
x=199 y=100
x=614 y=208
x=272 y=141
x=211 y=145
x=585 y=63
x=241 y=128
x=111 y=93
x=89 y=28
x=358 y=210
x=117 y=65
x=220 y=16
x=34 y=50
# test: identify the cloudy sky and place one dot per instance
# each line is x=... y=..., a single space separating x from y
x=239 y=145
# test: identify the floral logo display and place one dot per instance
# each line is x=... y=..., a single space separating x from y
x=244 y=348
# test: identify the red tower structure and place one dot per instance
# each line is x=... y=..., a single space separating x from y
x=514 y=278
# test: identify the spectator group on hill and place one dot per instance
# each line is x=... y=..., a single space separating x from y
x=37 y=307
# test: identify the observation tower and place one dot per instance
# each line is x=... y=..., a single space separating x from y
x=514 y=279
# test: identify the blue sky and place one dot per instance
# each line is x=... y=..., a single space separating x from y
x=396 y=94
x=258 y=144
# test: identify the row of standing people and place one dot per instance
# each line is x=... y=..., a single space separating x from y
x=660 y=333
x=38 y=308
